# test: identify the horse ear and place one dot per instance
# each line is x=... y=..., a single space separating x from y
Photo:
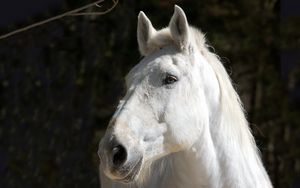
x=179 y=28
x=145 y=31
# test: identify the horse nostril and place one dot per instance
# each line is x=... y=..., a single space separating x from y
x=119 y=155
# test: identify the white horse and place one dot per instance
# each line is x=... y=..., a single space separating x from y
x=181 y=123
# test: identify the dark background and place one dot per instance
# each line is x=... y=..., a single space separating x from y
x=60 y=82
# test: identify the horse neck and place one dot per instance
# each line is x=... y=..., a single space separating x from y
x=227 y=151
x=237 y=157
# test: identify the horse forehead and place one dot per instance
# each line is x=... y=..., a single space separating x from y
x=159 y=60
x=164 y=60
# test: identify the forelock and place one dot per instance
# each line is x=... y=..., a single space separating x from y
x=164 y=38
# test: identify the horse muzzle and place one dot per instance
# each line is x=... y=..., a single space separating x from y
x=119 y=162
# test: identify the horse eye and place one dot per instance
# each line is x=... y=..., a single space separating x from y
x=169 y=79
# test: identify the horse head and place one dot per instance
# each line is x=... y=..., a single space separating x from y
x=170 y=96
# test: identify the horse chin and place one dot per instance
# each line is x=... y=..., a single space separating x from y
x=133 y=174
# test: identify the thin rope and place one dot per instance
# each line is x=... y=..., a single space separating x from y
x=69 y=13
x=96 y=13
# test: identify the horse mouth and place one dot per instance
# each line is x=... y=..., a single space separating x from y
x=132 y=175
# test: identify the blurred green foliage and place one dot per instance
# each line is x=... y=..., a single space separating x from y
x=60 y=84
